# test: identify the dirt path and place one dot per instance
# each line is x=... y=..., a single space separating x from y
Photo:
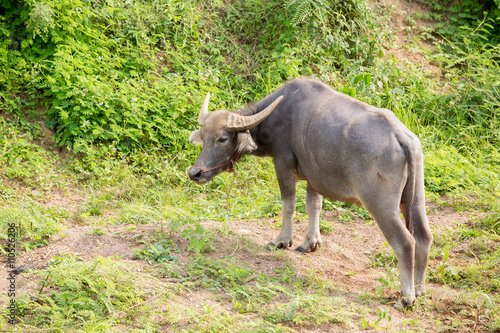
x=345 y=260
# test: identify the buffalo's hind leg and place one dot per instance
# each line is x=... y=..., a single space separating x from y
x=423 y=240
x=403 y=244
x=314 y=201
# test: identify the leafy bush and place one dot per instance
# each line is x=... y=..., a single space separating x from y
x=133 y=73
x=454 y=16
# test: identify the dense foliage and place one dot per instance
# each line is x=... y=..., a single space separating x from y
x=131 y=73
x=121 y=82
x=456 y=19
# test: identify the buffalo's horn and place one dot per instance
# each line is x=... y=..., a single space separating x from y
x=240 y=123
x=204 y=110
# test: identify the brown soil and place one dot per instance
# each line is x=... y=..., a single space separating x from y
x=404 y=33
x=344 y=260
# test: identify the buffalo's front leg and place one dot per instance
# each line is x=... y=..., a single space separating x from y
x=314 y=201
x=286 y=180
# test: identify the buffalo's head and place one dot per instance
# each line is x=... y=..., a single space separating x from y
x=225 y=136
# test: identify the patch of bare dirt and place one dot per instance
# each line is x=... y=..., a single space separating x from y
x=404 y=31
x=70 y=200
x=83 y=241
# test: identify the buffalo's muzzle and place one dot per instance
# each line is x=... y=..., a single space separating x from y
x=195 y=175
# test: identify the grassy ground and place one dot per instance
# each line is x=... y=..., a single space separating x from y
x=122 y=250
x=120 y=239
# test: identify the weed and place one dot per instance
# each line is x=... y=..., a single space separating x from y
x=285 y=275
x=491 y=221
x=305 y=310
x=217 y=274
x=160 y=252
x=481 y=305
x=325 y=227
x=385 y=258
x=444 y=271
x=78 y=295
x=35 y=224
x=381 y=314
x=197 y=238
x=98 y=232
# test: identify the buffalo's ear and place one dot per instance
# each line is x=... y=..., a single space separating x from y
x=195 y=138
x=245 y=142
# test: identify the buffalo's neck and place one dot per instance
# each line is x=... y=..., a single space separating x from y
x=261 y=137
x=267 y=132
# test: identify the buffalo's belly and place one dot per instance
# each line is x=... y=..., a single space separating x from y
x=331 y=183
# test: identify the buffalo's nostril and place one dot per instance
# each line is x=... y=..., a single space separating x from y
x=194 y=174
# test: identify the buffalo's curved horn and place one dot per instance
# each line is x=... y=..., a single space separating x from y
x=204 y=110
x=240 y=123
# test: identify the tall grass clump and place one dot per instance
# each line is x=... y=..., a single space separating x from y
x=84 y=296
x=473 y=69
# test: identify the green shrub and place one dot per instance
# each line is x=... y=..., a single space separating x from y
x=132 y=74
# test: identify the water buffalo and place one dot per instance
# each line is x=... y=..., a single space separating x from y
x=345 y=149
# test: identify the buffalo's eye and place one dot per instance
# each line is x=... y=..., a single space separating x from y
x=223 y=139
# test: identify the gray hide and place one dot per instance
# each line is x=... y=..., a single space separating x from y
x=346 y=150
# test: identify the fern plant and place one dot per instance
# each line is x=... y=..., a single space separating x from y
x=301 y=10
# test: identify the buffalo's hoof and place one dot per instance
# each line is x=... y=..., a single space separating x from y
x=280 y=245
x=404 y=304
x=300 y=249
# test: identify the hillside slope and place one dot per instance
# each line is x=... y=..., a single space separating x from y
x=93 y=160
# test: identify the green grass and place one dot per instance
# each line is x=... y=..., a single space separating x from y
x=122 y=92
x=34 y=224
x=87 y=296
